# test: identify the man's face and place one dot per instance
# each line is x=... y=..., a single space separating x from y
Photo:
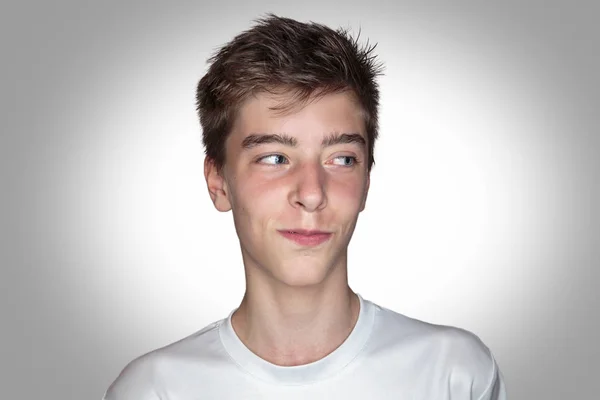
x=272 y=186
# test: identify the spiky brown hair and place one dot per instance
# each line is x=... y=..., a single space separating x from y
x=281 y=55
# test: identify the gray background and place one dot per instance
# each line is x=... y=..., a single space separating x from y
x=482 y=212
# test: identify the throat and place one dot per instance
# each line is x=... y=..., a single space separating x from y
x=286 y=343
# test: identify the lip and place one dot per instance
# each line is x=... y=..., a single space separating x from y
x=304 y=231
x=306 y=238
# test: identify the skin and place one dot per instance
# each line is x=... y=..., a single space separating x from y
x=298 y=306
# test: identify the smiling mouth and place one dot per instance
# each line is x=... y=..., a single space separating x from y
x=305 y=231
x=313 y=238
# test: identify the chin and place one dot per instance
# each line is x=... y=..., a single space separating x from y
x=301 y=274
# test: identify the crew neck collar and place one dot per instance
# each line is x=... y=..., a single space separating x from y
x=300 y=374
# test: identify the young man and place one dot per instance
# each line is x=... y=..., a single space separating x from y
x=289 y=118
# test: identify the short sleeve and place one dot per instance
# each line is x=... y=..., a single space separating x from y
x=496 y=389
x=135 y=382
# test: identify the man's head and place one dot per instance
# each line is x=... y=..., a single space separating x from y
x=304 y=95
x=281 y=55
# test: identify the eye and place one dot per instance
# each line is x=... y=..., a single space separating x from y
x=354 y=160
x=272 y=157
x=275 y=157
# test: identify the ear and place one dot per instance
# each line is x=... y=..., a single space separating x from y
x=364 y=203
x=217 y=186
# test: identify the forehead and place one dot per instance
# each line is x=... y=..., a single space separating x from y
x=318 y=115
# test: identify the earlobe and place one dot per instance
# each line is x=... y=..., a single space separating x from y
x=217 y=187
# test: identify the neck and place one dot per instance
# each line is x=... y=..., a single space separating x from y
x=297 y=326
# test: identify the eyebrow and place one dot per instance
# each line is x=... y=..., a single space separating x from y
x=257 y=139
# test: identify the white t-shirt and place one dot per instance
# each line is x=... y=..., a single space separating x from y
x=386 y=356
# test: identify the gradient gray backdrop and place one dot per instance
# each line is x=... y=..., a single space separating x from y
x=482 y=212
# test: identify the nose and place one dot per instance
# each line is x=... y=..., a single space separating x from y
x=309 y=190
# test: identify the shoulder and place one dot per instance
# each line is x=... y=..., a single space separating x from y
x=469 y=365
x=136 y=380
x=461 y=346
x=454 y=355
x=456 y=344
x=148 y=376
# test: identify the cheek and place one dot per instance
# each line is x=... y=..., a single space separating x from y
x=346 y=194
x=265 y=198
x=259 y=200
x=258 y=190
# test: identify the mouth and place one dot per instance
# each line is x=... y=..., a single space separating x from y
x=306 y=237
x=305 y=232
